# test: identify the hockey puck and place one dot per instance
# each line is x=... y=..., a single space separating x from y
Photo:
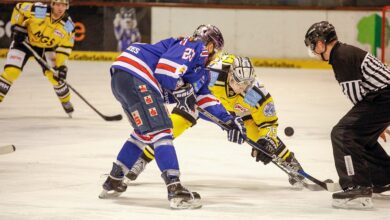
x=289 y=131
x=328 y=181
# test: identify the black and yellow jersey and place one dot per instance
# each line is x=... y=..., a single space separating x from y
x=255 y=106
x=42 y=30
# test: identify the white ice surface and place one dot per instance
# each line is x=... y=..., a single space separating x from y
x=56 y=170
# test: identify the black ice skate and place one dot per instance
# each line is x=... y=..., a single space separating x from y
x=113 y=186
x=68 y=107
x=357 y=197
x=381 y=192
x=137 y=168
x=178 y=196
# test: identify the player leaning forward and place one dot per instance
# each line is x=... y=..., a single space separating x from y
x=144 y=77
x=233 y=82
x=50 y=32
x=362 y=164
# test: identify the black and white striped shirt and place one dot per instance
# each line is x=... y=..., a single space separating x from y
x=358 y=72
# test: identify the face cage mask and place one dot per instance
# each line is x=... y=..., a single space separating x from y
x=244 y=84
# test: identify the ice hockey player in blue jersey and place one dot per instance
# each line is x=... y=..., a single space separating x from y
x=144 y=78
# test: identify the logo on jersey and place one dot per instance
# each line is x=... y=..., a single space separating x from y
x=58 y=33
x=148 y=100
x=269 y=110
x=153 y=112
x=240 y=108
x=142 y=88
x=137 y=118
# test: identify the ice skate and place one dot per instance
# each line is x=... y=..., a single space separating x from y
x=113 y=186
x=353 y=198
x=68 y=107
x=137 y=168
x=296 y=180
x=381 y=192
x=178 y=196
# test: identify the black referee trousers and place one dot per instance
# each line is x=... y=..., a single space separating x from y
x=359 y=158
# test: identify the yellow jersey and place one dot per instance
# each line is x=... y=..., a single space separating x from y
x=42 y=30
x=255 y=106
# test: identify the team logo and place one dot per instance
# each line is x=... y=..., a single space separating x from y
x=137 y=119
x=153 y=112
x=240 y=108
x=58 y=33
x=142 y=88
x=269 y=109
x=148 y=99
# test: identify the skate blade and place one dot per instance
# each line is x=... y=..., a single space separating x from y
x=298 y=186
x=362 y=203
x=70 y=115
x=180 y=203
x=109 y=194
x=381 y=196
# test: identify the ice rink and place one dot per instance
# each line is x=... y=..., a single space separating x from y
x=58 y=167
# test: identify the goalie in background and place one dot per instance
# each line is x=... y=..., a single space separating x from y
x=233 y=83
x=361 y=163
x=30 y=22
x=125 y=28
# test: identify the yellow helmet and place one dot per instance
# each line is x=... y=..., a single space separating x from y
x=60 y=1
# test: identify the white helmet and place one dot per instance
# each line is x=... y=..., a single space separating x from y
x=60 y=1
x=243 y=71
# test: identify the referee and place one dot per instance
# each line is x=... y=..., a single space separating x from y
x=362 y=164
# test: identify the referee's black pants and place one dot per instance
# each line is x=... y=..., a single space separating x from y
x=360 y=160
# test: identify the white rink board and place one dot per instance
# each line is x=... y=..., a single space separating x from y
x=257 y=32
x=55 y=171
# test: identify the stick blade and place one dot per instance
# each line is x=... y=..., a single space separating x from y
x=113 y=118
x=7 y=149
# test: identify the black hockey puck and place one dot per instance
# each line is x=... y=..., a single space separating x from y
x=328 y=181
x=289 y=131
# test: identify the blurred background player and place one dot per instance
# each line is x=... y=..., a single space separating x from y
x=50 y=32
x=145 y=76
x=125 y=28
x=362 y=164
x=233 y=83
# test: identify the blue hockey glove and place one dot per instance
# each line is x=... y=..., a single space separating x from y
x=237 y=133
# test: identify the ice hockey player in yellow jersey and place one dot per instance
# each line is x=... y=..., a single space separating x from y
x=234 y=83
x=49 y=30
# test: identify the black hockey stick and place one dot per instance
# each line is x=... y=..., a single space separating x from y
x=42 y=61
x=327 y=185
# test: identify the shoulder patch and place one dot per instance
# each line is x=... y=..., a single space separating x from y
x=40 y=10
x=253 y=96
x=69 y=26
x=269 y=109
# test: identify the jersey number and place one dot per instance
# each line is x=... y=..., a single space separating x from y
x=188 y=54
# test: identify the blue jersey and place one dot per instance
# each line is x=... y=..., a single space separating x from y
x=169 y=64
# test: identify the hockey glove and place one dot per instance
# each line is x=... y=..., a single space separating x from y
x=186 y=102
x=237 y=133
x=61 y=73
x=269 y=146
x=19 y=34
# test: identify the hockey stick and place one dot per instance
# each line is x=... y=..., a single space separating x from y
x=7 y=149
x=42 y=61
x=327 y=185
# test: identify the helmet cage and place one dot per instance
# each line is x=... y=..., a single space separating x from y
x=243 y=72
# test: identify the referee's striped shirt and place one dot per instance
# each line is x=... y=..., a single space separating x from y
x=358 y=72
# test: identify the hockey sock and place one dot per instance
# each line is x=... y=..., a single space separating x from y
x=166 y=157
x=4 y=87
x=129 y=154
